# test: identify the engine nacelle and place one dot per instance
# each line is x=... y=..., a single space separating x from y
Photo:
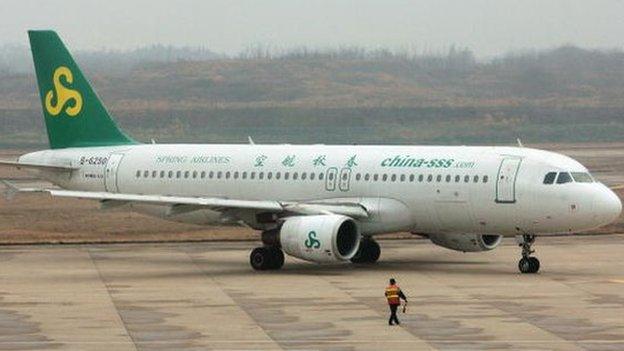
x=467 y=242
x=322 y=238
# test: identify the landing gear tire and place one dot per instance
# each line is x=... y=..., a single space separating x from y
x=266 y=258
x=527 y=263
x=368 y=252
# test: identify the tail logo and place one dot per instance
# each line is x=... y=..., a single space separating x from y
x=63 y=95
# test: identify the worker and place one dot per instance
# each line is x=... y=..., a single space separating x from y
x=394 y=296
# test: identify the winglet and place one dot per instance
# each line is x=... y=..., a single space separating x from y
x=10 y=190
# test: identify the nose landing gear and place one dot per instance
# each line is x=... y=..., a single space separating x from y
x=527 y=263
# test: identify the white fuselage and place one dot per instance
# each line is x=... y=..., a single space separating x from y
x=424 y=189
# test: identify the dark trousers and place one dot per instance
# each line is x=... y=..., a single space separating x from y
x=393 y=315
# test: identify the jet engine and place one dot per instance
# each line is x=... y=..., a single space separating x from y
x=320 y=238
x=467 y=242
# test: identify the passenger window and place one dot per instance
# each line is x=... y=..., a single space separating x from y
x=466 y=178
x=421 y=178
x=439 y=178
x=358 y=177
x=475 y=179
x=367 y=177
x=375 y=177
x=430 y=178
x=186 y=174
x=286 y=175
x=219 y=174
x=278 y=175
x=269 y=175
x=402 y=177
x=412 y=177
x=582 y=177
x=448 y=178
x=384 y=177
x=295 y=176
x=320 y=177
x=261 y=175
x=330 y=176
x=211 y=174
x=178 y=174
x=154 y=174
x=252 y=175
x=564 y=177
x=138 y=174
x=194 y=174
x=170 y=174
x=146 y=174
x=162 y=174
x=457 y=178
x=393 y=178
x=485 y=179
x=550 y=177
x=304 y=175
x=244 y=175
x=203 y=174
x=312 y=176
x=227 y=175
x=236 y=175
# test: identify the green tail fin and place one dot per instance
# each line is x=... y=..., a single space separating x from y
x=74 y=115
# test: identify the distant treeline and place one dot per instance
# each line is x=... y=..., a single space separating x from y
x=343 y=95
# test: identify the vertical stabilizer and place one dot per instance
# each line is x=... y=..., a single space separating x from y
x=73 y=113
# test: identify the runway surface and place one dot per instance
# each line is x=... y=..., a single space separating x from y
x=205 y=296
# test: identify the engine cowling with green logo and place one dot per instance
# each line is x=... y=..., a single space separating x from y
x=466 y=242
x=320 y=238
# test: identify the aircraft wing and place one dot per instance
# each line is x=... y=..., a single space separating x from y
x=27 y=165
x=348 y=209
x=171 y=200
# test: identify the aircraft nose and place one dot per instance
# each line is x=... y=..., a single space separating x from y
x=607 y=205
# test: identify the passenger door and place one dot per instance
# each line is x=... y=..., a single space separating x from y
x=506 y=180
x=110 y=173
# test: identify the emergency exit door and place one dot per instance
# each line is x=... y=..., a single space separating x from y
x=506 y=181
x=345 y=179
x=330 y=178
x=110 y=173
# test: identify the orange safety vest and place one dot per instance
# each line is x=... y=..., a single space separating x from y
x=392 y=294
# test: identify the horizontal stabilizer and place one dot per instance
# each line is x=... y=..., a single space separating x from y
x=27 y=165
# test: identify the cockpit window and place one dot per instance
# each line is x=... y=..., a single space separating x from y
x=564 y=177
x=582 y=177
x=550 y=177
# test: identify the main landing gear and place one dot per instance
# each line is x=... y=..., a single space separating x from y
x=527 y=263
x=368 y=252
x=270 y=256
x=266 y=258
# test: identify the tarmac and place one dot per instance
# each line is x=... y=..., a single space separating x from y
x=203 y=296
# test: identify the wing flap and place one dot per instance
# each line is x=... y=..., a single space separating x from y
x=170 y=200
x=354 y=210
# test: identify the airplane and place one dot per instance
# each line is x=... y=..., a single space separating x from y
x=319 y=203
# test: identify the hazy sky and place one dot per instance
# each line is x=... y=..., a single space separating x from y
x=488 y=27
